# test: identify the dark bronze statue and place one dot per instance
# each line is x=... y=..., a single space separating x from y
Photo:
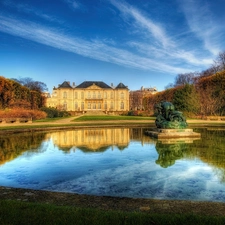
x=168 y=117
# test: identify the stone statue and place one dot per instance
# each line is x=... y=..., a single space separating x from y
x=168 y=117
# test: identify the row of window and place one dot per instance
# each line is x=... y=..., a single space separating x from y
x=93 y=95
x=94 y=105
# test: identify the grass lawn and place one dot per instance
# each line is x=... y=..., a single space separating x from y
x=48 y=119
x=110 y=118
x=15 y=212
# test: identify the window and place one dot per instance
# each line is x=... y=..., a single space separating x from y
x=64 y=94
x=122 y=95
x=94 y=105
x=105 y=94
x=99 y=105
x=94 y=95
x=75 y=95
x=82 y=95
x=111 y=94
x=82 y=105
x=105 y=105
x=122 y=105
x=65 y=106
x=89 y=105
x=112 y=105
x=89 y=95
x=99 y=95
x=76 y=106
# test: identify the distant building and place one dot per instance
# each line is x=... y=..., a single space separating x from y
x=136 y=97
x=90 y=96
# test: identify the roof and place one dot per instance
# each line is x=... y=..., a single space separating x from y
x=65 y=84
x=87 y=84
x=121 y=86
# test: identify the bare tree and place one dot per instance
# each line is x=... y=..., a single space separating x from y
x=168 y=86
x=185 y=78
x=221 y=60
x=31 y=84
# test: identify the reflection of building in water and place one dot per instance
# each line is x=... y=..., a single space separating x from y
x=92 y=139
x=138 y=134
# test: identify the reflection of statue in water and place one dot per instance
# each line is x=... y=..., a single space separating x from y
x=168 y=117
x=169 y=153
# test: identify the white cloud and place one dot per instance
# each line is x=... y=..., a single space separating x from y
x=153 y=29
x=93 y=49
x=202 y=23
x=73 y=4
x=159 y=45
x=171 y=55
x=27 y=9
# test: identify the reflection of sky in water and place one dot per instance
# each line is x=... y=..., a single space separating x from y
x=128 y=173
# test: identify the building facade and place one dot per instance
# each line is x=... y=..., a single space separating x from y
x=90 y=96
x=137 y=97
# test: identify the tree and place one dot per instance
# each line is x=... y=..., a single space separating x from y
x=212 y=92
x=220 y=61
x=6 y=92
x=210 y=71
x=32 y=85
x=186 y=99
x=14 y=95
x=168 y=86
x=185 y=78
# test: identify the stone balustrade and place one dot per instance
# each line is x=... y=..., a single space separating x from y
x=15 y=120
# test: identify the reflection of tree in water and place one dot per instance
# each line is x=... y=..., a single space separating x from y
x=13 y=145
x=211 y=149
x=169 y=153
x=87 y=149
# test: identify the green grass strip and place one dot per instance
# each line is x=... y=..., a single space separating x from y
x=15 y=212
x=110 y=118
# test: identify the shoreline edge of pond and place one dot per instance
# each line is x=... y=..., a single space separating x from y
x=114 y=203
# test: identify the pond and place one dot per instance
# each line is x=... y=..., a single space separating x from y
x=120 y=162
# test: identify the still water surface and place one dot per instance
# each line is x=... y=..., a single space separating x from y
x=116 y=162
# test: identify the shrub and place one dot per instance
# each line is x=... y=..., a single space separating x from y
x=22 y=113
x=53 y=112
x=132 y=113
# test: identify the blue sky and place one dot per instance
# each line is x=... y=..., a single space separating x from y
x=139 y=43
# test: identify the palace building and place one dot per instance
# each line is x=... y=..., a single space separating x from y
x=90 y=96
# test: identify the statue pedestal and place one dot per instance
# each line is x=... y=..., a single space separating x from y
x=172 y=133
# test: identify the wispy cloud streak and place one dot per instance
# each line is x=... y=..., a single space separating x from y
x=27 y=9
x=93 y=49
x=159 y=45
x=73 y=4
x=147 y=24
x=202 y=23
x=157 y=51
